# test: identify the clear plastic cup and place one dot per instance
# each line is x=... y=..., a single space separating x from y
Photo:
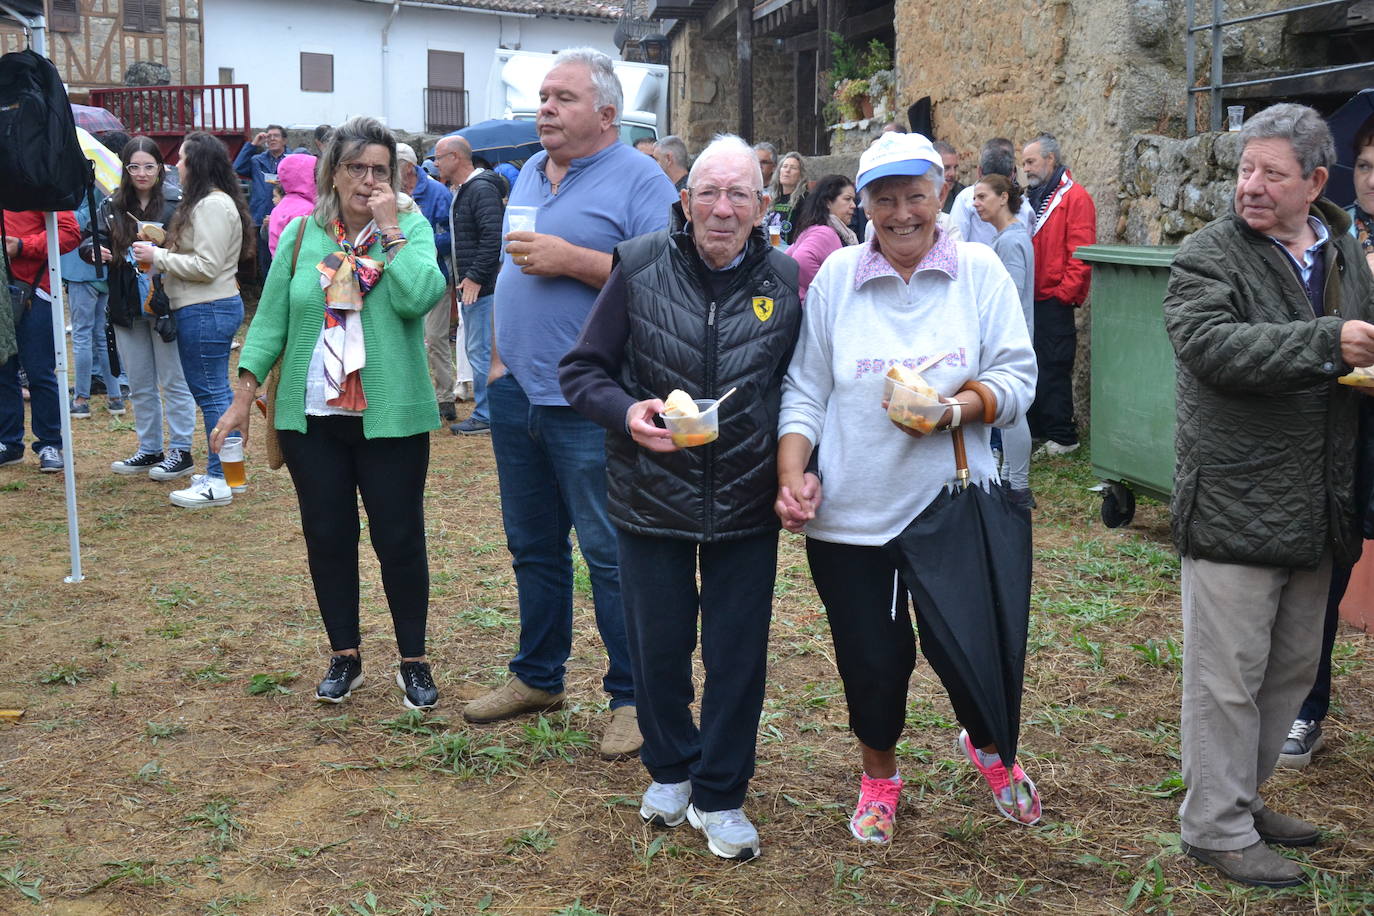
x=1235 y=117
x=522 y=219
x=231 y=459
x=689 y=432
x=913 y=409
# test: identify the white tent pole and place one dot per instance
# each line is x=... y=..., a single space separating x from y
x=38 y=29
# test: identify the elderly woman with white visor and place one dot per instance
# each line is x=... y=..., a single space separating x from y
x=912 y=297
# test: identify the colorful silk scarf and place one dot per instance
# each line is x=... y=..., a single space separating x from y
x=347 y=276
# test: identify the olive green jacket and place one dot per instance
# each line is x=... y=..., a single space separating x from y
x=1266 y=437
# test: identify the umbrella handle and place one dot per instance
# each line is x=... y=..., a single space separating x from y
x=960 y=455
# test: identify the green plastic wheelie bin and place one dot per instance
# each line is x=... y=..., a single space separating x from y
x=1132 y=376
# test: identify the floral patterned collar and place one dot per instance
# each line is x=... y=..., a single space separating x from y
x=942 y=256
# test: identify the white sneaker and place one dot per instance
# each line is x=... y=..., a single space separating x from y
x=203 y=491
x=728 y=833
x=665 y=803
x=1055 y=449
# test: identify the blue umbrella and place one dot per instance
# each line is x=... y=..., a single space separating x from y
x=500 y=141
x=1345 y=124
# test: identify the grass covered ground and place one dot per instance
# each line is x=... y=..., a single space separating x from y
x=170 y=759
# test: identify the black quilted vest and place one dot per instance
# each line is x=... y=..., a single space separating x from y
x=681 y=337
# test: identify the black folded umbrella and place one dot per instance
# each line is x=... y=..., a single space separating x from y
x=967 y=561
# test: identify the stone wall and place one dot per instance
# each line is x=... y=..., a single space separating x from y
x=1170 y=188
x=705 y=93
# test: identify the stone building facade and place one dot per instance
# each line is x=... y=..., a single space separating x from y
x=96 y=46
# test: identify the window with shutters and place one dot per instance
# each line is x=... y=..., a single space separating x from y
x=143 y=15
x=64 y=16
x=317 y=72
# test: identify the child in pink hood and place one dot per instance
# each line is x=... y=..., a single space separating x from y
x=297 y=176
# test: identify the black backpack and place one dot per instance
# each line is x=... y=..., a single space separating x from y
x=40 y=157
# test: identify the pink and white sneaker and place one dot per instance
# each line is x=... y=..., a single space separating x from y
x=1026 y=809
x=875 y=817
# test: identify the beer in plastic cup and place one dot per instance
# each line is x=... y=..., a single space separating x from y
x=231 y=459
x=522 y=219
x=775 y=235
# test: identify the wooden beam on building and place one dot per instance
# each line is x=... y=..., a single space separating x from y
x=865 y=24
x=799 y=43
x=744 y=37
x=722 y=15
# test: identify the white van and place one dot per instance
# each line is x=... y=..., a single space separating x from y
x=513 y=91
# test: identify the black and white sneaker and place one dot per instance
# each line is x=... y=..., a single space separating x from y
x=418 y=683
x=176 y=463
x=345 y=673
x=50 y=460
x=1304 y=739
x=11 y=455
x=204 y=491
x=139 y=463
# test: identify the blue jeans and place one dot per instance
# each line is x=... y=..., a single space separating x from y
x=204 y=332
x=38 y=357
x=477 y=341
x=551 y=464
x=89 y=343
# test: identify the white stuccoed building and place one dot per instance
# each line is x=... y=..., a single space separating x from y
x=418 y=65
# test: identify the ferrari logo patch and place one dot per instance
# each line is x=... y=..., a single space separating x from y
x=763 y=307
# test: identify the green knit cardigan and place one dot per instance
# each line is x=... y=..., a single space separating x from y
x=400 y=398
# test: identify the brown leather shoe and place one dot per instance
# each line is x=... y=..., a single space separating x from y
x=513 y=698
x=1256 y=865
x=1282 y=830
x=621 y=738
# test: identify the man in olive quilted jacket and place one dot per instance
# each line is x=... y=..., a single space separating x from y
x=1266 y=309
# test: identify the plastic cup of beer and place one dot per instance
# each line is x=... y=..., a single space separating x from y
x=689 y=432
x=775 y=235
x=231 y=459
x=522 y=219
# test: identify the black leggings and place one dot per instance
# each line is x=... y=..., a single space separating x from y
x=869 y=610
x=331 y=463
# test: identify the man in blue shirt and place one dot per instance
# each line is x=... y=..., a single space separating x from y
x=590 y=192
x=258 y=162
x=434 y=201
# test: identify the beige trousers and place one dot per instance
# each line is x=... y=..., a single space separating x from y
x=1251 y=637
x=440 y=351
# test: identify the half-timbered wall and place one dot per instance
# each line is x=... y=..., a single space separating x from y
x=98 y=52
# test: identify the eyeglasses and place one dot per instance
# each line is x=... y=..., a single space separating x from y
x=145 y=168
x=358 y=171
x=738 y=197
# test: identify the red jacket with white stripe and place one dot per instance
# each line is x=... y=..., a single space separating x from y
x=1069 y=222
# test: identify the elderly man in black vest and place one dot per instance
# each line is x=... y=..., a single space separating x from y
x=705 y=306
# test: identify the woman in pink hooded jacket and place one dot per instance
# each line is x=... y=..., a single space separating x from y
x=297 y=176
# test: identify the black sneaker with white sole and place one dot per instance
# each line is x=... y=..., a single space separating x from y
x=50 y=460
x=1304 y=739
x=345 y=673
x=11 y=455
x=138 y=463
x=176 y=463
x=418 y=683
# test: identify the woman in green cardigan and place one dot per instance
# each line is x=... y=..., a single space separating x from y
x=345 y=315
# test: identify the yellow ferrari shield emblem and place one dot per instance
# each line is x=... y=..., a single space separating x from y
x=763 y=307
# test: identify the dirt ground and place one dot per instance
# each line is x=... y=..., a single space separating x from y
x=170 y=759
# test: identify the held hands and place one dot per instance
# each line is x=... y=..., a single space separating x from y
x=639 y=420
x=235 y=418
x=1357 y=343
x=11 y=246
x=798 y=499
x=536 y=253
x=260 y=138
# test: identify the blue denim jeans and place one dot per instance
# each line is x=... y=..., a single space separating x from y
x=89 y=343
x=477 y=340
x=38 y=358
x=204 y=332
x=551 y=464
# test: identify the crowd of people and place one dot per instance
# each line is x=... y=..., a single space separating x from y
x=731 y=274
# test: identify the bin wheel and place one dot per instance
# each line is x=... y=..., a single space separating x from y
x=1118 y=505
